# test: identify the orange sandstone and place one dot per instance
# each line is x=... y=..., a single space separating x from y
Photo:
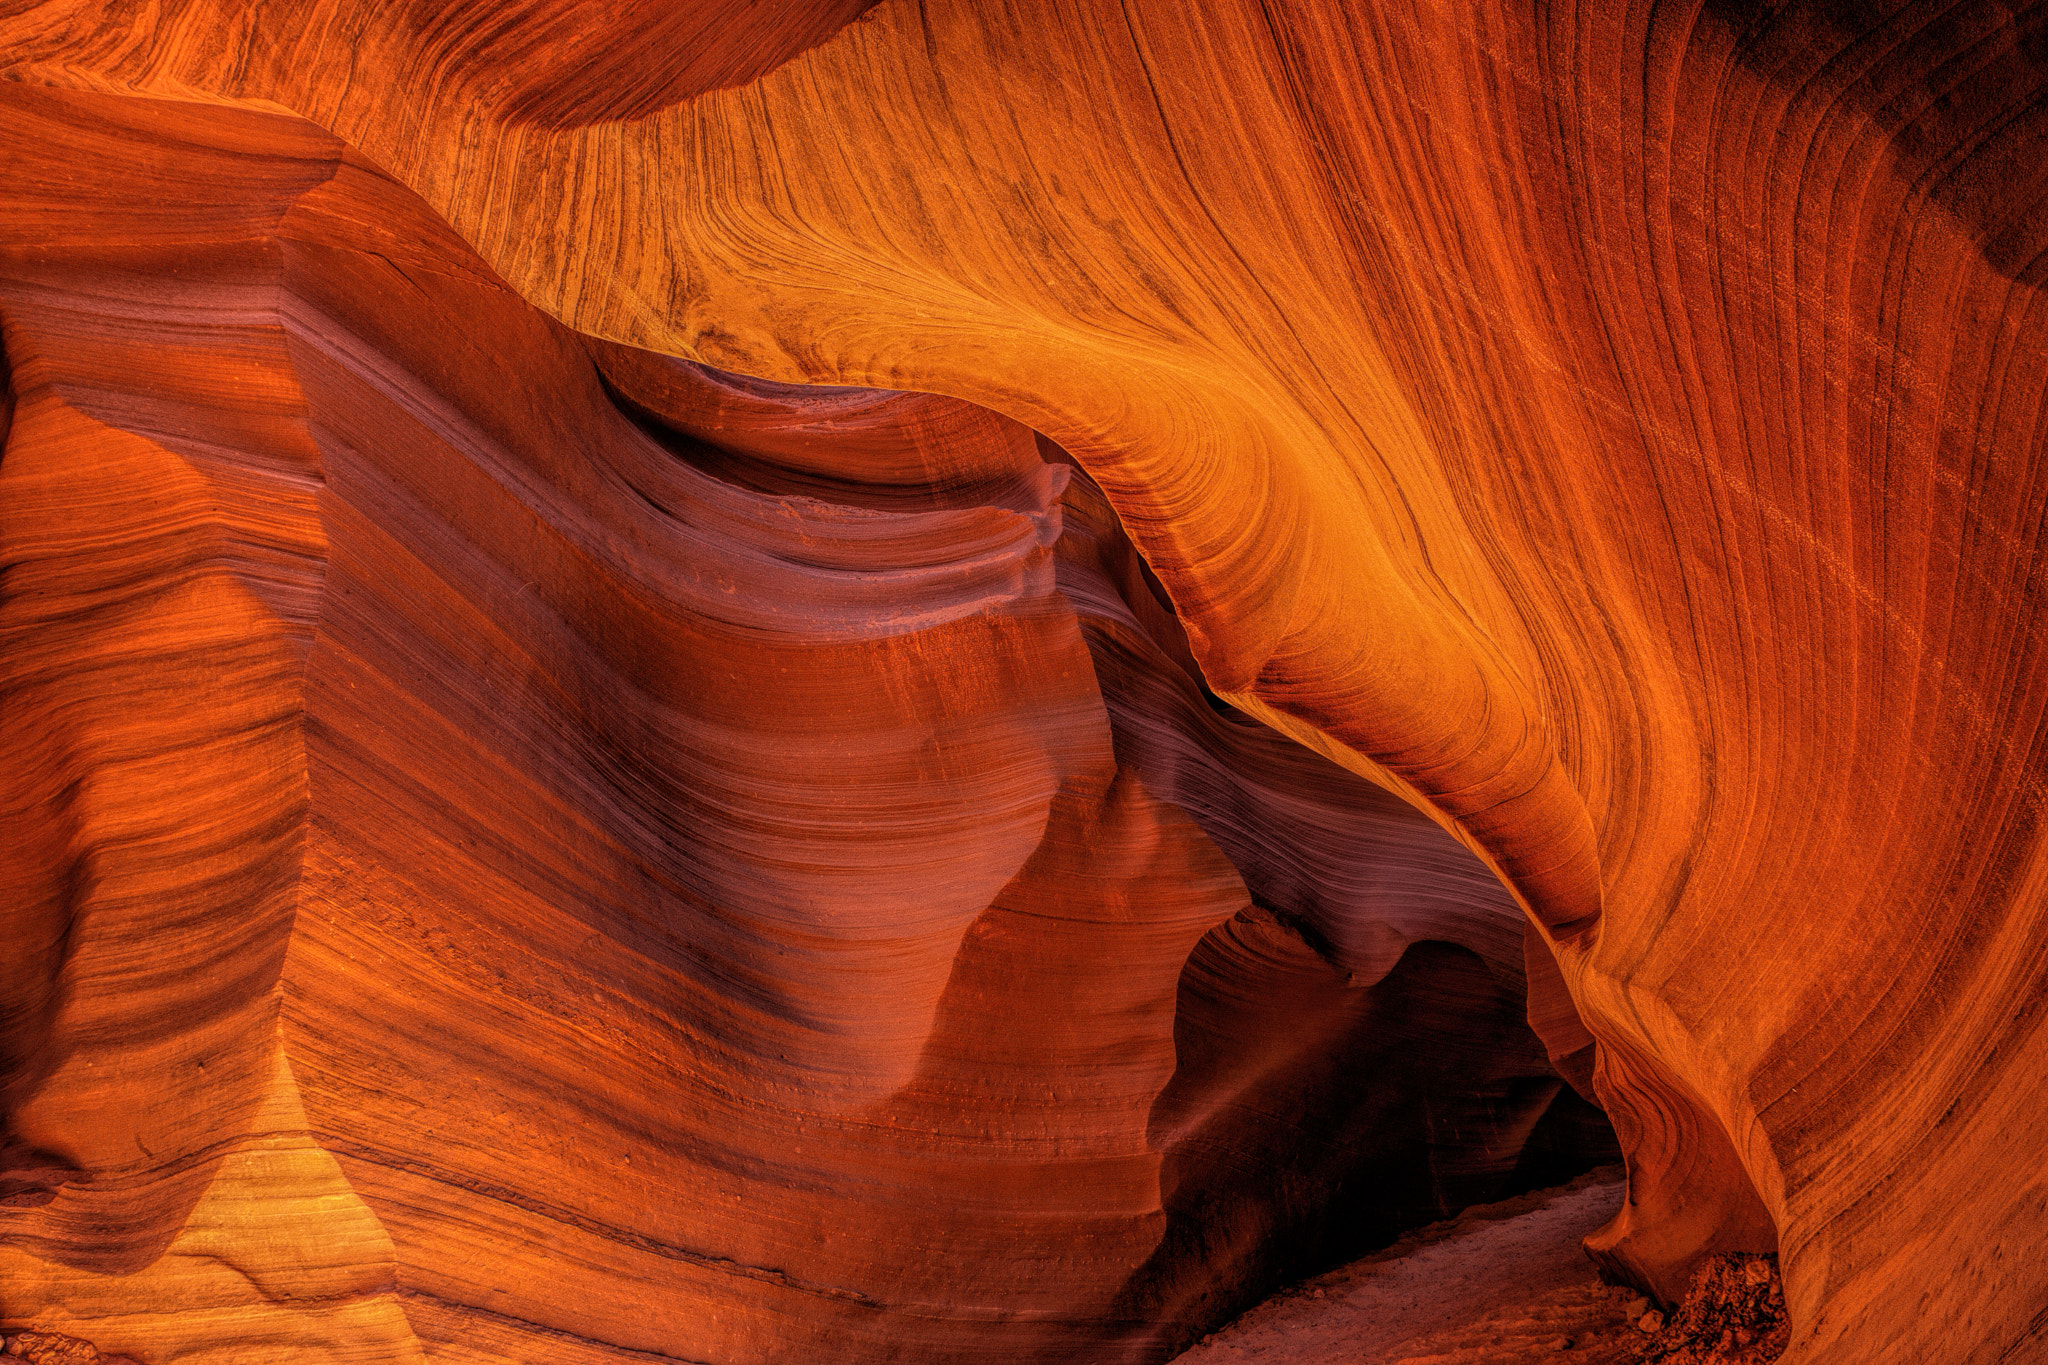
x=1613 y=430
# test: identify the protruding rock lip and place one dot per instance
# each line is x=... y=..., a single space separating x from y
x=572 y=63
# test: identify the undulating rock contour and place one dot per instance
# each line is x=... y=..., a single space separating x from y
x=541 y=850
x=1615 y=432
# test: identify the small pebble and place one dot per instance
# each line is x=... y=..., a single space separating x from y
x=1635 y=1307
x=1650 y=1321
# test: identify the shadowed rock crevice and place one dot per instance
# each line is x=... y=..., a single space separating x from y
x=1614 y=427
x=750 y=840
x=1312 y=1119
x=869 y=448
x=1957 y=94
x=1386 y=1049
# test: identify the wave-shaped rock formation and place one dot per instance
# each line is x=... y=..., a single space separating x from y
x=510 y=821
x=545 y=852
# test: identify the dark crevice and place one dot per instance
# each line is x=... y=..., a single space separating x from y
x=1330 y=1093
x=1364 y=1121
x=1965 y=122
x=757 y=445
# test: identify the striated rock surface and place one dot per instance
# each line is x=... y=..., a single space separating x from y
x=1615 y=430
x=537 y=850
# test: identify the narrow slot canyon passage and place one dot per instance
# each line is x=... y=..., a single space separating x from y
x=993 y=682
x=765 y=852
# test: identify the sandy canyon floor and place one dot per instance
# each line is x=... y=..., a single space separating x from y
x=1502 y=1284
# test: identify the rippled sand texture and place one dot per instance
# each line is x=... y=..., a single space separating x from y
x=1615 y=428
x=509 y=879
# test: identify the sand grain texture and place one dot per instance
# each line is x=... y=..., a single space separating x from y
x=1504 y=1284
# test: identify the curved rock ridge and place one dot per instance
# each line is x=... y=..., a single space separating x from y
x=891 y=452
x=536 y=64
x=1613 y=428
x=536 y=850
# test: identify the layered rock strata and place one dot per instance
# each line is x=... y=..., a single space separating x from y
x=531 y=849
x=1614 y=428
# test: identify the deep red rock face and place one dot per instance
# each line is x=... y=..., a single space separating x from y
x=534 y=849
x=1614 y=430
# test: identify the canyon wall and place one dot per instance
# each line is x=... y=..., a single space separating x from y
x=537 y=849
x=1610 y=433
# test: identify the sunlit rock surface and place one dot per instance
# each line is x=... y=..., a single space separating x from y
x=1615 y=430
x=541 y=850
